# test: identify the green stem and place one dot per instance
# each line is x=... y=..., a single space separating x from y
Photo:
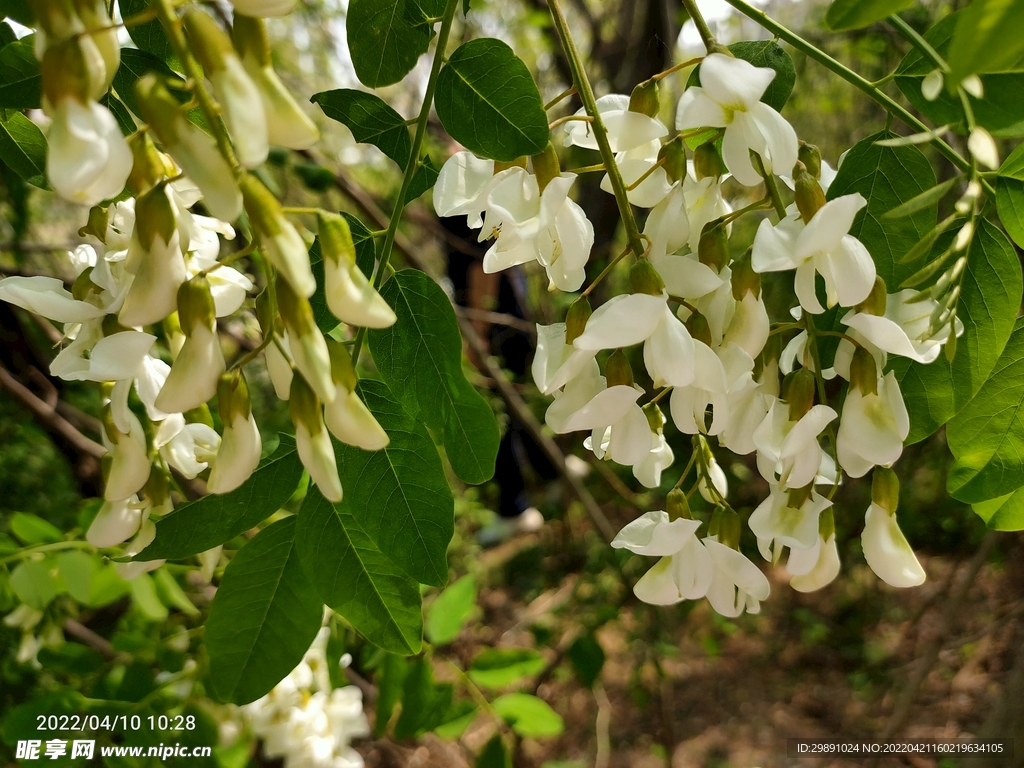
x=848 y=75
x=702 y=26
x=579 y=75
x=56 y=546
x=388 y=246
x=772 y=188
x=911 y=36
x=172 y=26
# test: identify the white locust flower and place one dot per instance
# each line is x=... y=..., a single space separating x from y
x=88 y=159
x=47 y=296
x=347 y=417
x=145 y=536
x=463 y=186
x=737 y=585
x=239 y=99
x=129 y=465
x=903 y=328
x=822 y=247
x=155 y=258
x=187 y=447
x=197 y=369
x=287 y=125
x=749 y=402
x=116 y=522
x=241 y=445
x=305 y=341
x=192 y=149
x=729 y=97
x=627 y=130
x=887 y=551
x=313 y=441
x=281 y=242
x=640 y=317
x=279 y=366
x=648 y=471
x=350 y=296
x=875 y=421
x=710 y=386
x=617 y=424
x=814 y=568
x=787 y=519
x=685 y=569
x=787 y=449
x=556 y=362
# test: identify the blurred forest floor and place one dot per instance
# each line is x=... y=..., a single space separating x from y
x=840 y=663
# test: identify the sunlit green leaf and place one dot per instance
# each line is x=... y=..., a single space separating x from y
x=385 y=39
x=989 y=37
x=32 y=529
x=528 y=715
x=1005 y=513
x=371 y=120
x=451 y=610
x=854 y=14
x=1010 y=195
x=33 y=583
x=498 y=667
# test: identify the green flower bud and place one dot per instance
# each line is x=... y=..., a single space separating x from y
x=97 y=224
x=677 y=506
x=304 y=406
x=200 y=415
x=644 y=278
x=336 y=238
x=250 y=38
x=655 y=418
x=727 y=526
x=713 y=247
x=864 y=372
x=159 y=109
x=744 y=279
x=674 y=155
x=195 y=305
x=233 y=397
x=576 y=319
x=646 y=99
x=148 y=165
x=809 y=195
x=295 y=311
x=827 y=525
x=876 y=301
x=885 y=489
x=800 y=393
x=707 y=161
x=262 y=207
x=617 y=371
x=157 y=488
x=154 y=217
x=810 y=156
x=70 y=71
x=797 y=497
x=546 y=166
x=699 y=328
x=209 y=43
x=342 y=370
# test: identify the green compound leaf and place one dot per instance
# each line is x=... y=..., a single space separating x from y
x=1010 y=195
x=1005 y=513
x=528 y=715
x=400 y=496
x=23 y=148
x=855 y=14
x=988 y=306
x=760 y=53
x=498 y=667
x=987 y=436
x=487 y=100
x=887 y=177
x=20 y=81
x=385 y=38
x=213 y=520
x=989 y=37
x=264 y=617
x=371 y=120
x=451 y=610
x=354 y=577
x=420 y=358
x=1001 y=110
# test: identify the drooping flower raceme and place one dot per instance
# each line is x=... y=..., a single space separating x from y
x=685 y=569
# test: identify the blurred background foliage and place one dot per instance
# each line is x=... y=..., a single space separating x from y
x=634 y=685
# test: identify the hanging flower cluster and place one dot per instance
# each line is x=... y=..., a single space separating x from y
x=307 y=722
x=700 y=317
x=152 y=287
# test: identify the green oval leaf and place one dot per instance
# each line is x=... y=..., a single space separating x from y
x=20 y=81
x=989 y=37
x=149 y=37
x=424 y=702
x=420 y=358
x=33 y=583
x=23 y=148
x=32 y=529
x=385 y=39
x=264 y=617
x=987 y=436
x=988 y=306
x=1005 y=513
x=1010 y=195
x=498 y=667
x=400 y=496
x=213 y=520
x=371 y=120
x=354 y=577
x=528 y=715
x=451 y=610
x=487 y=100
x=854 y=14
